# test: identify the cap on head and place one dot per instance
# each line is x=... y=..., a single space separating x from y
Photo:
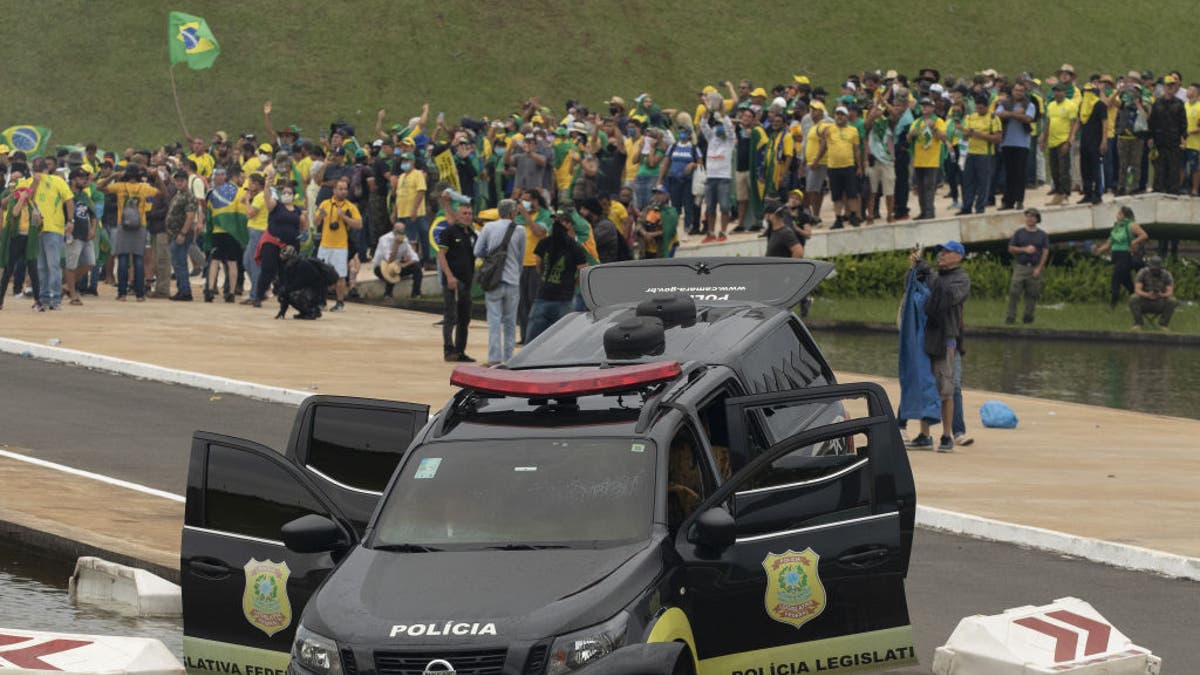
x=266 y=147
x=1170 y=79
x=1035 y=213
x=841 y=110
x=662 y=189
x=954 y=247
x=1066 y=68
x=801 y=79
x=1154 y=262
x=759 y=92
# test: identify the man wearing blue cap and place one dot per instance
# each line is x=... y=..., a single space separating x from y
x=949 y=287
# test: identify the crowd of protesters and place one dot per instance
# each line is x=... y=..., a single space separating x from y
x=287 y=215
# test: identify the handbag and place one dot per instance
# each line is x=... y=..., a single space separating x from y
x=491 y=271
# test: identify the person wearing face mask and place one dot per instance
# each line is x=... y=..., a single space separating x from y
x=676 y=174
x=718 y=131
x=260 y=158
x=286 y=220
x=409 y=206
x=333 y=170
x=616 y=109
x=19 y=236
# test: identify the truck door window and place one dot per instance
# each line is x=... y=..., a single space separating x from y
x=357 y=447
x=688 y=478
x=252 y=496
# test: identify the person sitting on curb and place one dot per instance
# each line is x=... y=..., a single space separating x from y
x=1153 y=293
x=396 y=259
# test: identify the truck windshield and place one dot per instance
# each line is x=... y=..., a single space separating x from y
x=520 y=494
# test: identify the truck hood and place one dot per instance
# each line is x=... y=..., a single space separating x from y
x=405 y=600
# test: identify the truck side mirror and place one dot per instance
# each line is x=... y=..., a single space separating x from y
x=312 y=534
x=715 y=530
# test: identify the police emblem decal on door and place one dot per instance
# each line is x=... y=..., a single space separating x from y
x=794 y=593
x=265 y=600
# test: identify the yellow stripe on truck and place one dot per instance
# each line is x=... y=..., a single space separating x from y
x=860 y=652
x=673 y=626
x=201 y=657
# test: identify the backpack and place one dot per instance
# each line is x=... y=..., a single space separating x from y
x=131 y=214
x=491 y=271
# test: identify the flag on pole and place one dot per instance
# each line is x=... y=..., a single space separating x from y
x=189 y=40
x=29 y=139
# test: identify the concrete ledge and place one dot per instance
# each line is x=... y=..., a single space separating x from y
x=1006 y=332
x=1096 y=550
x=1166 y=213
x=40 y=537
x=148 y=371
x=122 y=588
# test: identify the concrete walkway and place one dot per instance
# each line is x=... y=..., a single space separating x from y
x=1163 y=216
x=1094 y=472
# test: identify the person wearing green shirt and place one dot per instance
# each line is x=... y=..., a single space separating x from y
x=1125 y=239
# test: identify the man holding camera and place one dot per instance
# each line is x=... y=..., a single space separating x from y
x=335 y=217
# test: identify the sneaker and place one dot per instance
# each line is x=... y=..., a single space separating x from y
x=20 y=295
x=963 y=440
x=708 y=240
x=946 y=445
x=722 y=237
x=463 y=358
x=338 y=306
x=963 y=212
x=180 y=297
x=955 y=204
x=921 y=442
x=450 y=357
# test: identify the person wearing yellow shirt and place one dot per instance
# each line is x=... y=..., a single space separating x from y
x=617 y=213
x=335 y=217
x=840 y=148
x=18 y=236
x=1191 y=151
x=256 y=223
x=1063 y=115
x=927 y=135
x=818 y=165
x=204 y=161
x=982 y=130
x=54 y=200
x=633 y=144
x=133 y=202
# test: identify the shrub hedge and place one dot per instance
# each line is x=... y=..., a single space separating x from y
x=1070 y=276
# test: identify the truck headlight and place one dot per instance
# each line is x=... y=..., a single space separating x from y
x=574 y=650
x=315 y=653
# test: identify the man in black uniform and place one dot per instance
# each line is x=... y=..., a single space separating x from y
x=782 y=241
x=302 y=283
x=1168 y=131
x=456 y=262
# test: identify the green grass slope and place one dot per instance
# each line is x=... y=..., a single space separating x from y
x=97 y=71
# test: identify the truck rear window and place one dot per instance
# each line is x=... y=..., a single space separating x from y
x=565 y=492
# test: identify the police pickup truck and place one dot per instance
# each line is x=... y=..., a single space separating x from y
x=670 y=483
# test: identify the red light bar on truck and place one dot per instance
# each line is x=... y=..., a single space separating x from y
x=551 y=383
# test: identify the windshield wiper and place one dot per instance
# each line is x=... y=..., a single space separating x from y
x=407 y=548
x=525 y=547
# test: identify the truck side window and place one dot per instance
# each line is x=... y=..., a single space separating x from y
x=358 y=447
x=688 y=479
x=712 y=419
x=252 y=496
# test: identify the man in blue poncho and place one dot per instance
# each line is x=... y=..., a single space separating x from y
x=931 y=330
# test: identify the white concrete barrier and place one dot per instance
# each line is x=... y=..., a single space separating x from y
x=26 y=651
x=1066 y=636
x=123 y=589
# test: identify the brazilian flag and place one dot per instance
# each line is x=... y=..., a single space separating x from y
x=29 y=139
x=190 y=41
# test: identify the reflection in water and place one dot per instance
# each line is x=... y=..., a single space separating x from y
x=1163 y=379
x=33 y=596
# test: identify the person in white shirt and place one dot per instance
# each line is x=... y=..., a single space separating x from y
x=395 y=259
x=502 y=301
x=718 y=130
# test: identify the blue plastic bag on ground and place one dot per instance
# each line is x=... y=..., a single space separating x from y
x=997 y=415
